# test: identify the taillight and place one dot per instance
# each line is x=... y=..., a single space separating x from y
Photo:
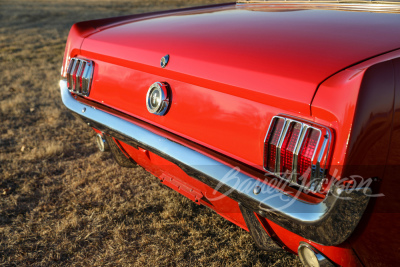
x=306 y=155
x=288 y=148
x=297 y=151
x=74 y=77
x=271 y=143
x=71 y=67
x=79 y=76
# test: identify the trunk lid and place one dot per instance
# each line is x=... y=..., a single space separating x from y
x=232 y=68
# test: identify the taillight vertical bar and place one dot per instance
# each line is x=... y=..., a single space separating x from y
x=271 y=143
x=319 y=173
x=296 y=153
x=307 y=153
x=78 y=86
x=288 y=148
x=283 y=153
x=75 y=70
x=86 y=78
x=71 y=69
x=279 y=146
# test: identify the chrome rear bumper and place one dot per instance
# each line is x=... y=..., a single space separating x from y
x=329 y=222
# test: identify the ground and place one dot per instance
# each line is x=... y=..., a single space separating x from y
x=64 y=203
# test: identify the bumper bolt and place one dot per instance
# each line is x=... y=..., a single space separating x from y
x=257 y=190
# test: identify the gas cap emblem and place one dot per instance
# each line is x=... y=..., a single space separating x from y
x=164 y=61
x=157 y=98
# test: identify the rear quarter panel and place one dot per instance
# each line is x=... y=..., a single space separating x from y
x=368 y=146
x=377 y=241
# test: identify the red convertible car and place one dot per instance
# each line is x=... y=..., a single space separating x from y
x=282 y=117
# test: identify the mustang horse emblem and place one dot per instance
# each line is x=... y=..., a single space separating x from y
x=164 y=61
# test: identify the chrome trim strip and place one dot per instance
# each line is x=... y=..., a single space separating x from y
x=329 y=222
x=345 y=5
x=321 y=153
x=294 y=160
x=71 y=78
x=279 y=146
x=312 y=176
x=87 y=78
x=296 y=153
x=319 y=139
x=318 y=174
x=78 y=74
x=303 y=135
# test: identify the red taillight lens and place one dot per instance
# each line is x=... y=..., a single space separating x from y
x=271 y=143
x=306 y=155
x=289 y=147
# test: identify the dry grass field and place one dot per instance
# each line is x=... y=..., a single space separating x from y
x=64 y=203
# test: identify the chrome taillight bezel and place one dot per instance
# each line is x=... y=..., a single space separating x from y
x=79 y=68
x=320 y=157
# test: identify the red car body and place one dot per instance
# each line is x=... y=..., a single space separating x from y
x=232 y=68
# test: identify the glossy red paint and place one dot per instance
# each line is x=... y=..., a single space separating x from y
x=369 y=88
x=383 y=125
x=128 y=58
x=82 y=30
x=232 y=69
x=193 y=111
x=209 y=40
x=372 y=123
x=335 y=103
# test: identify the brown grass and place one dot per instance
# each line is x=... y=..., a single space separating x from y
x=64 y=203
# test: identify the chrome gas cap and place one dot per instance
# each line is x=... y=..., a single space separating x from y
x=157 y=98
